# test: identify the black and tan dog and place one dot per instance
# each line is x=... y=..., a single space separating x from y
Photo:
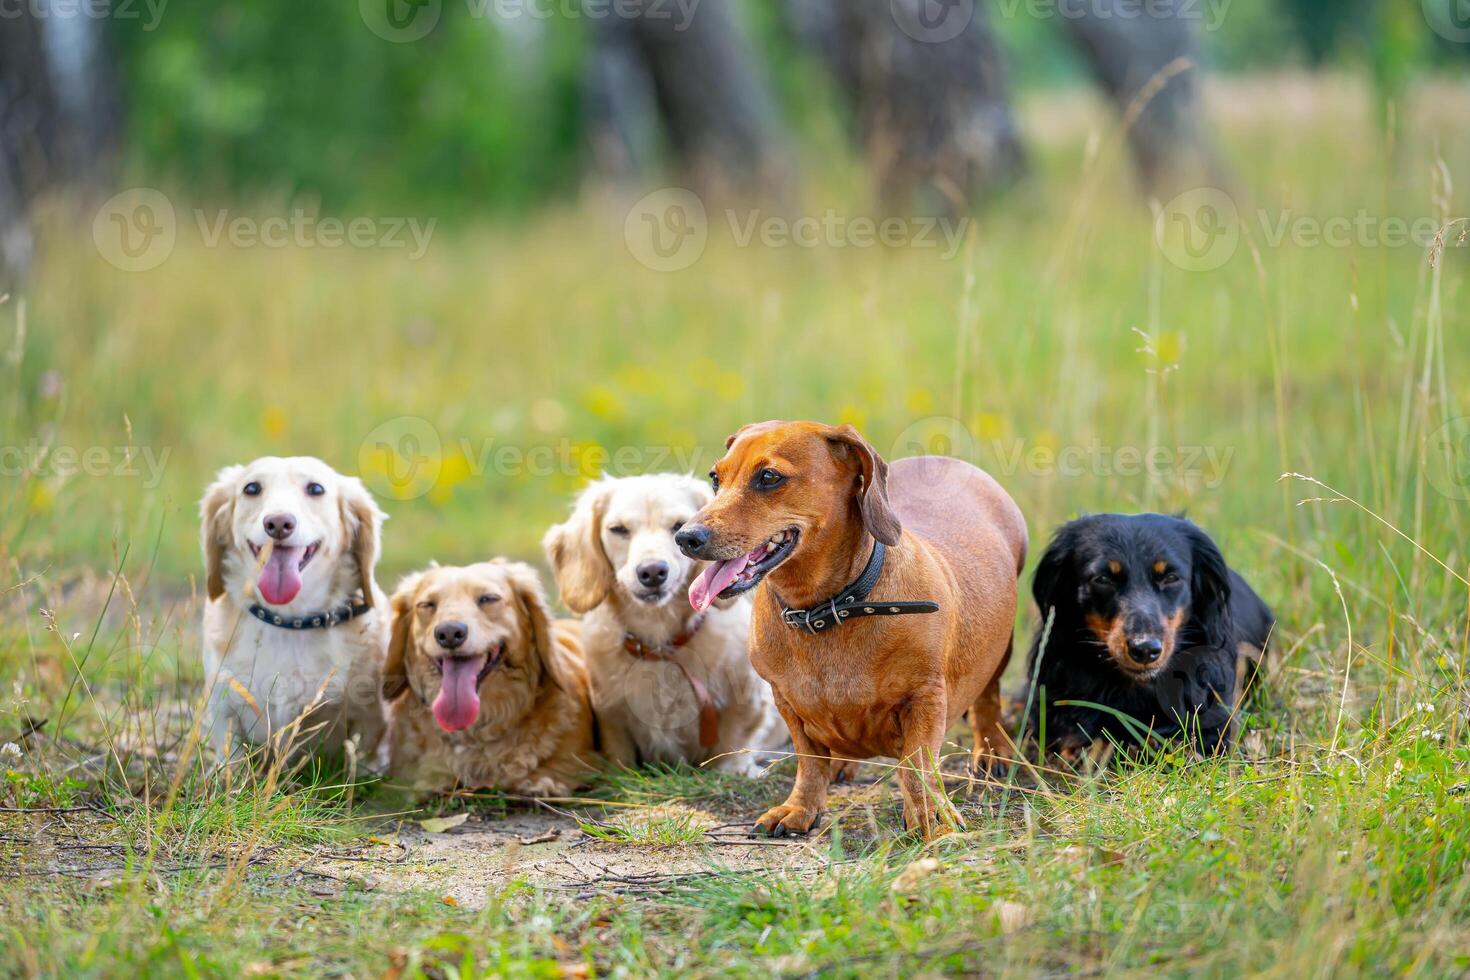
x=1147 y=621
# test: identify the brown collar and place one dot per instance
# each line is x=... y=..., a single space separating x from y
x=709 y=718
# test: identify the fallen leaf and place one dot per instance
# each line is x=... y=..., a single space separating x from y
x=451 y=901
x=909 y=878
x=442 y=825
x=1011 y=916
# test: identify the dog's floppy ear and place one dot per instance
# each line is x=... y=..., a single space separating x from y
x=532 y=600
x=217 y=514
x=574 y=549
x=395 y=667
x=1054 y=584
x=878 y=516
x=363 y=521
x=1209 y=585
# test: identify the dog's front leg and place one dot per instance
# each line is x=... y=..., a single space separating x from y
x=618 y=746
x=803 y=807
x=923 y=725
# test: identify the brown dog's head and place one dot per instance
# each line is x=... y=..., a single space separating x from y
x=778 y=482
x=460 y=633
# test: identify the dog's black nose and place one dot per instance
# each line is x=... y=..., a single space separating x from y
x=692 y=539
x=1146 y=649
x=652 y=574
x=279 y=526
x=451 y=635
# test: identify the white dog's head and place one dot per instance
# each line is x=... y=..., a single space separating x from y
x=322 y=530
x=621 y=536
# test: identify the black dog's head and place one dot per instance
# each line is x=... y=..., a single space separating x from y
x=1140 y=584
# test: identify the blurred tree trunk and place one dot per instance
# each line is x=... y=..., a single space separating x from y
x=27 y=115
x=928 y=87
x=694 y=84
x=1147 y=61
x=59 y=117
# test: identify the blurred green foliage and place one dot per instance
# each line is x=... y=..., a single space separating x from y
x=287 y=98
x=279 y=99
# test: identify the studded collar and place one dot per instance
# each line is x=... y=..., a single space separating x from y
x=852 y=602
x=324 y=619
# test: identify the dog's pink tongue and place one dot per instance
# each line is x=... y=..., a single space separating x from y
x=714 y=580
x=280 y=579
x=458 y=703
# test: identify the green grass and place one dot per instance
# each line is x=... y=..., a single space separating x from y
x=1336 y=843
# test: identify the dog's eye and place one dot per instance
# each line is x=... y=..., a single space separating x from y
x=1170 y=578
x=315 y=489
x=620 y=530
x=487 y=599
x=768 y=478
x=1102 y=581
x=428 y=605
x=252 y=489
x=714 y=481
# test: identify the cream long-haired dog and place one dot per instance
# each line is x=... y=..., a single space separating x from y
x=668 y=684
x=486 y=691
x=294 y=618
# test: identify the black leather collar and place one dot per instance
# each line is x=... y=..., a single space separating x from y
x=851 y=602
x=315 y=621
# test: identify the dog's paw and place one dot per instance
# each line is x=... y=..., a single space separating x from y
x=990 y=767
x=544 y=786
x=787 y=819
x=1082 y=755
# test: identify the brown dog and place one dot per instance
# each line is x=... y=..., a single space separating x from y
x=485 y=690
x=797 y=510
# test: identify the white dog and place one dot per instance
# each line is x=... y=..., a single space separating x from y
x=294 y=616
x=668 y=685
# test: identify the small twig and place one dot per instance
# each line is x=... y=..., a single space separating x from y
x=84 y=808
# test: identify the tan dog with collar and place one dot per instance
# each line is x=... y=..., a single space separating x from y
x=798 y=509
x=667 y=685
